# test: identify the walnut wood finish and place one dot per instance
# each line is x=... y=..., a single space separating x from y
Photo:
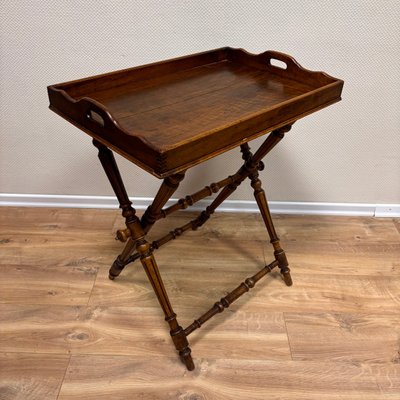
x=111 y=169
x=176 y=331
x=167 y=189
x=169 y=116
x=181 y=204
x=191 y=199
x=249 y=166
x=262 y=202
x=137 y=231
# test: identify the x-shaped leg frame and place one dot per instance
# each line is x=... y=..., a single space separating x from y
x=137 y=247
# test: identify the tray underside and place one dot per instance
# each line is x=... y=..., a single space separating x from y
x=182 y=116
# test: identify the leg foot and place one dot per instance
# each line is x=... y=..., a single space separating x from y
x=283 y=264
x=186 y=358
x=122 y=260
x=287 y=278
x=116 y=268
x=180 y=341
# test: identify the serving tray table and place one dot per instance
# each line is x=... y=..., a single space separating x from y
x=169 y=116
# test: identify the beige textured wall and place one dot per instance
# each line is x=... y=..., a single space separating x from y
x=346 y=153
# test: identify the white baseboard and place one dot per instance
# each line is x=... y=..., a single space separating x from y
x=140 y=203
x=387 y=210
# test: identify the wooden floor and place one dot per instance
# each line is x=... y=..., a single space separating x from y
x=67 y=332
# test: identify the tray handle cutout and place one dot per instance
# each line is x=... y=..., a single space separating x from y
x=280 y=61
x=94 y=113
x=96 y=117
x=86 y=111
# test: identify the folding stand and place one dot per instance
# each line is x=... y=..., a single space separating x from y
x=137 y=229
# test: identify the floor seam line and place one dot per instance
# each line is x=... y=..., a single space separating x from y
x=287 y=335
x=63 y=378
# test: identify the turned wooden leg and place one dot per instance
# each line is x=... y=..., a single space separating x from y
x=177 y=333
x=152 y=213
x=237 y=179
x=253 y=163
x=262 y=203
x=167 y=189
x=111 y=169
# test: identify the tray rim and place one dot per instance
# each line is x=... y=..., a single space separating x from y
x=223 y=51
x=220 y=54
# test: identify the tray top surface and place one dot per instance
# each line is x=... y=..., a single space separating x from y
x=172 y=110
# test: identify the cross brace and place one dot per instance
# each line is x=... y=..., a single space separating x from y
x=137 y=229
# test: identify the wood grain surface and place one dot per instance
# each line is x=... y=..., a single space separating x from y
x=171 y=115
x=67 y=332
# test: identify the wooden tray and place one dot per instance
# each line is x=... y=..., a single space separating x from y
x=171 y=115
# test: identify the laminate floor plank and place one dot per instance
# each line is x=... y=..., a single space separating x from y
x=387 y=375
x=31 y=376
x=120 y=378
x=226 y=266
x=330 y=293
x=38 y=219
x=338 y=259
x=311 y=292
x=27 y=284
x=137 y=331
x=324 y=229
x=396 y=223
x=347 y=337
x=188 y=269
x=337 y=229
